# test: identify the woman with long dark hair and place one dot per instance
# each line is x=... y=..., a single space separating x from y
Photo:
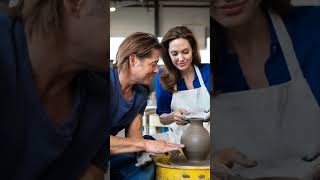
x=182 y=87
x=266 y=86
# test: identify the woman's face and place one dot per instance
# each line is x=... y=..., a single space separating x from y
x=232 y=13
x=180 y=52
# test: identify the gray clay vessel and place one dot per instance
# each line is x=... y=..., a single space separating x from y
x=196 y=140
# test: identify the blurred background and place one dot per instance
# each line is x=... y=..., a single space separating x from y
x=157 y=17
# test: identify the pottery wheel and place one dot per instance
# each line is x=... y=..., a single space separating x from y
x=185 y=162
x=178 y=159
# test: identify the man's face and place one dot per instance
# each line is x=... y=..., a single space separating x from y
x=90 y=32
x=143 y=70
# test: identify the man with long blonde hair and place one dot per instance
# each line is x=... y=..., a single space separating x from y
x=136 y=64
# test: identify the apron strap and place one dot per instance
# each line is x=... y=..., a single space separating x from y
x=199 y=75
x=286 y=46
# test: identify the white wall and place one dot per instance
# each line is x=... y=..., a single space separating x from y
x=125 y=21
x=197 y=19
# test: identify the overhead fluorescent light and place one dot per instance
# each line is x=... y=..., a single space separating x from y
x=112 y=9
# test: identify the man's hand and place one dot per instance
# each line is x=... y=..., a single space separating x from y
x=160 y=146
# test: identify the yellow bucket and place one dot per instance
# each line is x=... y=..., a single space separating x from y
x=165 y=171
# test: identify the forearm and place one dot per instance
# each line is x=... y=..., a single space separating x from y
x=135 y=135
x=119 y=145
x=134 y=130
x=166 y=118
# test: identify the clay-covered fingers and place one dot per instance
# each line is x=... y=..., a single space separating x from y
x=160 y=147
x=232 y=156
x=178 y=120
x=181 y=122
x=178 y=116
x=182 y=111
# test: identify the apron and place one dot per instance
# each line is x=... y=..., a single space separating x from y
x=194 y=101
x=276 y=126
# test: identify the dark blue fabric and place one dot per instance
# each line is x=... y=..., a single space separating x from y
x=32 y=147
x=303 y=27
x=164 y=97
x=123 y=112
x=123 y=167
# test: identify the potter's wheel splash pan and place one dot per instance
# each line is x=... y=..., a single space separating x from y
x=166 y=170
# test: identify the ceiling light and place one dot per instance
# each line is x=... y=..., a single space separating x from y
x=112 y=9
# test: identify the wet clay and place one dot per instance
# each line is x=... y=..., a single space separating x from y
x=196 y=140
x=178 y=159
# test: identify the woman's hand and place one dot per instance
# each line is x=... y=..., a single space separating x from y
x=177 y=116
x=224 y=160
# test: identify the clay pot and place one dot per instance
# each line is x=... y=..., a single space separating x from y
x=196 y=140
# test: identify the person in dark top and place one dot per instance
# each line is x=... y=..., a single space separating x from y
x=53 y=117
x=136 y=64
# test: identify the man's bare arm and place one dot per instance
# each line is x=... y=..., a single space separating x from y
x=134 y=130
x=119 y=145
x=135 y=142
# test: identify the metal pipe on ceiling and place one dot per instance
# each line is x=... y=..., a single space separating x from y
x=156 y=18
